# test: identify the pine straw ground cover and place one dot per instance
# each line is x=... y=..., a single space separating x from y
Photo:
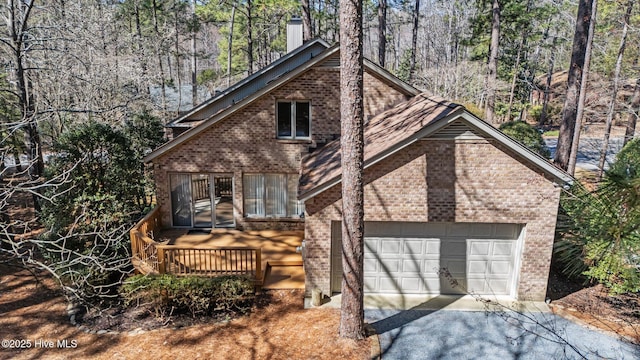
x=279 y=329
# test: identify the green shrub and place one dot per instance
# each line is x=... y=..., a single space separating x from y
x=600 y=230
x=527 y=135
x=535 y=111
x=192 y=294
x=474 y=109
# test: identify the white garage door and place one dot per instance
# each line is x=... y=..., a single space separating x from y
x=405 y=257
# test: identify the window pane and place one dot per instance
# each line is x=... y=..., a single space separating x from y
x=275 y=195
x=302 y=119
x=284 y=119
x=253 y=189
x=295 y=208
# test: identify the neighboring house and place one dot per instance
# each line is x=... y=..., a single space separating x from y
x=443 y=189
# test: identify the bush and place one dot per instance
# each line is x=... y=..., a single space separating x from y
x=527 y=135
x=600 y=230
x=191 y=294
x=97 y=191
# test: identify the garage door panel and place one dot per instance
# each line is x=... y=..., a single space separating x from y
x=455 y=266
x=371 y=284
x=389 y=285
x=411 y=284
x=477 y=286
x=371 y=265
x=507 y=231
x=497 y=286
x=500 y=268
x=389 y=266
x=477 y=267
x=390 y=247
x=371 y=244
x=406 y=257
x=482 y=230
x=503 y=248
x=479 y=247
x=431 y=266
x=411 y=265
x=413 y=246
x=453 y=248
x=432 y=247
x=458 y=229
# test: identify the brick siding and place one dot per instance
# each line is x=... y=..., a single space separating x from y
x=245 y=142
x=447 y=181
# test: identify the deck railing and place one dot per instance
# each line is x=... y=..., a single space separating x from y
x=149 y=256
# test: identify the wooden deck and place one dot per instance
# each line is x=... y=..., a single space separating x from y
x=277 y=247
x=218 y=252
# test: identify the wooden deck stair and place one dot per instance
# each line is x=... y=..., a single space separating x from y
x=284 y=274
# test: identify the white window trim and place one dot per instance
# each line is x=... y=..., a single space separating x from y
x=293 y=119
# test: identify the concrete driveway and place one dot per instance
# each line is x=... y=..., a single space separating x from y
x=589 y=151
x=454 y=334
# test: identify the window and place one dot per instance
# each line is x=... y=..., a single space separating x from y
x=271 y=195
x=294 y=119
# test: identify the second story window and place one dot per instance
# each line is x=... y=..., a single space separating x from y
x=294 y=120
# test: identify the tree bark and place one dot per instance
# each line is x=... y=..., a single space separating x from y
x=306 y=21
x=516 y=69
x=160 y=66
x=547 y=87
x=614 y=93
x=634 y=112
x=492 y=69
x=382 y=32
x=570 y=108
x=571 y=167
x=17 y=24
x=249 y=39
x=352 y=148
x=230 y=44
x=194 y=59
x=414 y=40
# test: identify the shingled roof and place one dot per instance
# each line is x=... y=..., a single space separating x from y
x=395 y=129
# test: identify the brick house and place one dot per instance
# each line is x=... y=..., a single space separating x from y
x=443 y=189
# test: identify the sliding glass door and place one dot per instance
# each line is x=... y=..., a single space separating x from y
x=202 y=200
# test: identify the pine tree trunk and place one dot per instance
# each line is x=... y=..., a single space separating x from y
x=614 y=93
x=230 y=44
x=382 y=31
x=492 y=71
x=570 y=108
x=547 y=87
x=249 y=38
x=571 y=167
x=160 y=65
x=634 y=112
x=414 y=40
x=516 y=71
x=352 y=148
x=194 y=59
x=306 y=20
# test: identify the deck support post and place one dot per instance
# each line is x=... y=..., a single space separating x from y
x=162 y=265
x=259 y=265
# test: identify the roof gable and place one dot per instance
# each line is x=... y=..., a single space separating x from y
x=252 y=83
x=219 y=115
x=393 y=130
